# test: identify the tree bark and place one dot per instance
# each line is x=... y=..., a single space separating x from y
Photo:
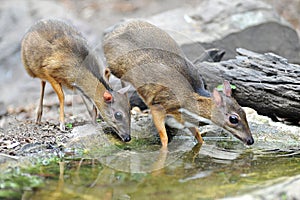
x=264 y=82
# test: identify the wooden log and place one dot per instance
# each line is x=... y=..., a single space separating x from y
x=265 y=82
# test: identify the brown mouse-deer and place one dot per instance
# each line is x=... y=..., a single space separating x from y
x=55 y=51
x=170 y=85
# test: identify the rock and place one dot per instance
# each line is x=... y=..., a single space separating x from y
x=3 y=110
x=270 y=135
x=135 y=110
x=287 y=189
x=227 y=25
x=88 y=137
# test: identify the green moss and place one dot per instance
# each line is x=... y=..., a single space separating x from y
x=220 y=87
x=14 y=181
x=69 y=125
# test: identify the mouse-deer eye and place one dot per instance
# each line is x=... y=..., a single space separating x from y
x=118 y=116
x=234 y=119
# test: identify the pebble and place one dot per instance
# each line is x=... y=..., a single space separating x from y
x=136 y=110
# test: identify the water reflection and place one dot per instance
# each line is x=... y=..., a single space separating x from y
x=213 y=170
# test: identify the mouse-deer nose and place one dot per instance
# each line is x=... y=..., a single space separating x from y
x=250 y=141
x=126 y=138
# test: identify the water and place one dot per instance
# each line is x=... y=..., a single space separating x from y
x=99 y=166
x=216 y=170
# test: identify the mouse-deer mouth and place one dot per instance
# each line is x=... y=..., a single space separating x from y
x=117 y=134
x=123 y=135
x=246 y=139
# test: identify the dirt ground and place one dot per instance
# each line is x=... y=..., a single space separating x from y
x=19 y=134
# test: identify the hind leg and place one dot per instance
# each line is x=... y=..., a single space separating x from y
x=197 y=134
x=40 y=106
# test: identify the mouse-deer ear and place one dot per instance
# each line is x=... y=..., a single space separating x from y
x=217 y=98
x=227 y=88
x=108 y=98
x=124 y=89
x=107 y=73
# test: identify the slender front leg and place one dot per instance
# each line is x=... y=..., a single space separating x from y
x=197 y=134
x=94 y=114
x=61 y=97
x=40 y=106
x=159 y=115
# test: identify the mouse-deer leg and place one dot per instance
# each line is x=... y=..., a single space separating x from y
x=197 y=134
x=94 y=114
x=158 y=116
x=61 y=97
x=40 y=106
